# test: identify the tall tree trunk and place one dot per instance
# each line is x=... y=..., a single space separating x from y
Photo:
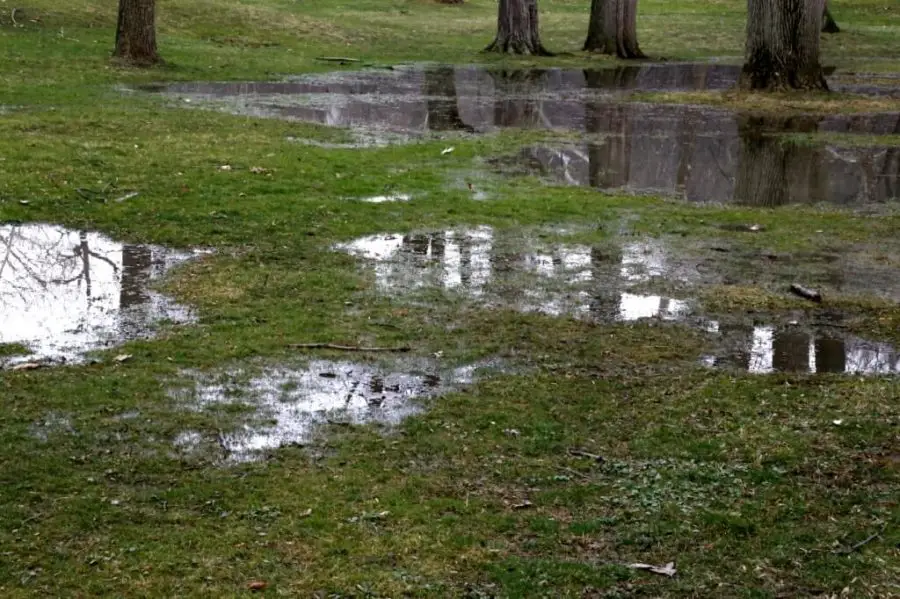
x=136 y=33
x=782 y=50
x=612 y=28
x=601 y=35
x=829 y=25
x=517 y=29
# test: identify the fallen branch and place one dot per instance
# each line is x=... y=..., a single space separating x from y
x=667 y=570
x=341 y=59
x=398 y=349
x=12 y=15
x=578 y=453
x=810 y=294
x=858 y=546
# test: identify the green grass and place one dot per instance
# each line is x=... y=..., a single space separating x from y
x=746 y=482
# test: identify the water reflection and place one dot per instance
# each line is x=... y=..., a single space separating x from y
x=773 y=349
x=292 y=403
x=597 y=283
x=710 y=156
x=64 y=292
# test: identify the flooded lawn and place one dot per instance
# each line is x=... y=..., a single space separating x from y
x=64 y=292
x=700 y=154
x=290 y=405
x=608 y=283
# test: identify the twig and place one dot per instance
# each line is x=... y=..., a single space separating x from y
x=583 y=454
x=12 y=15
x=860 y=545
x=399 y=349
x=810 y=294
x=580 y=475
x=342 y=59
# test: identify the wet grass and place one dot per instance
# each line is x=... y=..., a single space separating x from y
x=756 y=486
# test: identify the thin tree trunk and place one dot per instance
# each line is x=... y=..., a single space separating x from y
x=517 y=29
x=136 y=33
x=829 y=25
x=612 y=28
x=782 y=50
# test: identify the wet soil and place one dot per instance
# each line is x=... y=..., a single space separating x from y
x=64 y=293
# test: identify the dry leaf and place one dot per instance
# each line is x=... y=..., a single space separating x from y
x=123 y=358
x=447 y=150
x=259 y=170
x=225 y=167
x=257 y=585
x=306 y=513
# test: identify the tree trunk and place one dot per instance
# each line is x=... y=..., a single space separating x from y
x=136 y=33
x=829 y=25
x=612 y=28
x=782 y=50
x=517 y=29
x=441 y=101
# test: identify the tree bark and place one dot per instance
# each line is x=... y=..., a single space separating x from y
x=782 y=50
x=136 y=33
x=517 y=29
x=612 y=28
x=829 y=25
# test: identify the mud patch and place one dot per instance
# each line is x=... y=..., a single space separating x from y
x=289 y=406
x=64 y=293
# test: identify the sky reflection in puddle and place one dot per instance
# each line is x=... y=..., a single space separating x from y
x=291 y=404
x=596 y=283
x=65 y=292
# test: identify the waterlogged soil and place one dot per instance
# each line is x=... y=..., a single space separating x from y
x=291 y=405
x=635 y=280
x=64 y=293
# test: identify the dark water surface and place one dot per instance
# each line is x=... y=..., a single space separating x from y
x=697 y=153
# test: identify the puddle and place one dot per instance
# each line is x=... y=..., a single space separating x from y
x=701 y=155
x=607 y=283
x=468 y=99
x=65 y=292
x=385 y=199
x=291 y=405
x=766 y=349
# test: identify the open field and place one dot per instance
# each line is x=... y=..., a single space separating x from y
x=623 y=377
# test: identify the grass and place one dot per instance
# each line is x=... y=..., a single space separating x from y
x=754 y=485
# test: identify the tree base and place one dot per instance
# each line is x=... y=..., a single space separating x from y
x=140 y=62
x=520 y=47
x=754 y=78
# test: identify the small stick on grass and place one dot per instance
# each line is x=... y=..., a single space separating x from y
x=341 y=59
x=806 y=293
x=578 y=453
x=858 y=546
x=12 y=15
x=398 y=349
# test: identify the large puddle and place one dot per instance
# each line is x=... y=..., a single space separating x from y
x=466 y=99
x=65 y=292
x=290 y=405
x=608 y=283
x=699 y=153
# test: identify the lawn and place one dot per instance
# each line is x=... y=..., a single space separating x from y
x=589 y=443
